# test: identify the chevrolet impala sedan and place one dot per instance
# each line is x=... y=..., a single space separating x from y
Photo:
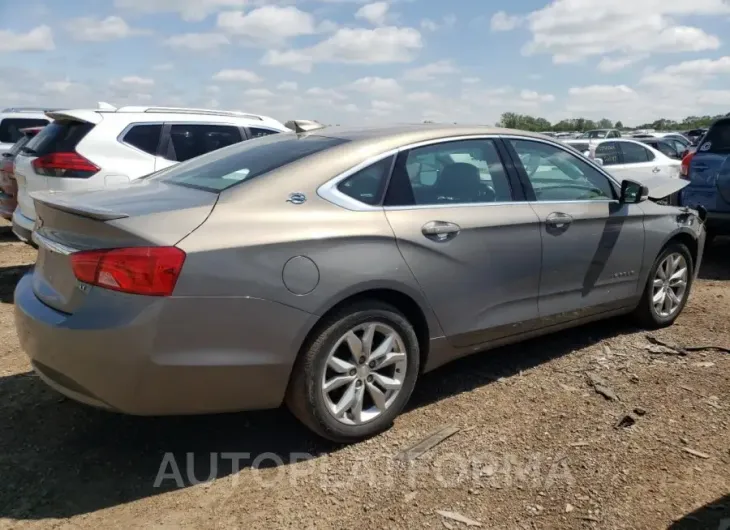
x=328 y=270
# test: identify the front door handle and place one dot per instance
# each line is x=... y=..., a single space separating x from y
x=440 y=230
x=558 y=220
x=656 y=170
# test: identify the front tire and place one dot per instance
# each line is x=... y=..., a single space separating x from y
x=667 y=288
x=356 y=374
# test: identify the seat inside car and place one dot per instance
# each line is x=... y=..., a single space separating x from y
x=461 y=182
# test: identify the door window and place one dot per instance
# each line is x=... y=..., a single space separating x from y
x=635 y=153
x=457 y=172
x=144 y=137
x=609 y=153
x=255 y=132
x=558 y=175
x=668 y=149
x=192 y=140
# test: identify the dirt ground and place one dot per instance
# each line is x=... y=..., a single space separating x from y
x=538 y=446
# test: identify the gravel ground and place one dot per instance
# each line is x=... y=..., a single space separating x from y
x=538 y=446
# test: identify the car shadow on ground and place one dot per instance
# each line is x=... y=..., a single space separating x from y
x=716 y=261
x=59 y=459
x=712 y=516
x=9 y=277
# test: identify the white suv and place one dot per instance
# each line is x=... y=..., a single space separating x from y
x=14 y=120
x=87 y=149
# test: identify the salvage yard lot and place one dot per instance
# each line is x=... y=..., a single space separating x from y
x=538 y=447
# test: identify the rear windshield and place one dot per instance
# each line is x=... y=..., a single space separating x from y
x=10 y=128
x=223 y=168
x=58 y=137
x=717 y=139
x=17 y=146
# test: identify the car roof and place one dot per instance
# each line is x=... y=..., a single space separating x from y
x=394 y=136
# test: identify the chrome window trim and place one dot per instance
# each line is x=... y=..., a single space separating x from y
x=51 y=245
x=329 y=192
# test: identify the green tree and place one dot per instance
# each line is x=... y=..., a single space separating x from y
x=618 y=125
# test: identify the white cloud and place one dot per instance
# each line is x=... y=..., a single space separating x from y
x=136 y=81
x=262 y=93
x=197 y=42
x=384 y=108
x=190 y=10
x=287 y=85
x=376 y=86
x=268 y=25
x=326 y=93
x=689 y=73
x=241 y=76
x=164 y=67
x=448 y=21
x=358 y=46
x=99 y=30
x=531 y=95
x=570 y=30
x=430 y=71
x=470 y=80
x=39 y=39
x=610 y=65
x=501 y=21
x=374 y=13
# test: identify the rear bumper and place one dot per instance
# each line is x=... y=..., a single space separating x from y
x=166 y=356
x=22 y=226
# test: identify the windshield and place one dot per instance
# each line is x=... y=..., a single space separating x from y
x=593 y=134
x=226 y=167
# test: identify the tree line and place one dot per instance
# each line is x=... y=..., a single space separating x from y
x=512 y=120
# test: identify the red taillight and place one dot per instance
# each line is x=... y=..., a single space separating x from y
x=684 y=168
x=69 y=165
x=7 y=167
x=152 y=271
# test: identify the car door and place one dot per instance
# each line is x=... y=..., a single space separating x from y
x=592 y=245
x=183 y=141
x=470 y=240
x=638 y=162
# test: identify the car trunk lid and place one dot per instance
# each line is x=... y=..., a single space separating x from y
x=147 y=213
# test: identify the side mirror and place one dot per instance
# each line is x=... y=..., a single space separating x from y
x=598 y=161
x=633 y=193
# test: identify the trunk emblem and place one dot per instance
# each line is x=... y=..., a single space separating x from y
x=297 y=198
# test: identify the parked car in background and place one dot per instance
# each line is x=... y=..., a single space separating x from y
x=695 y=135
x=105 y=147
x=708 y=171
x=674 y=149
x=8 y=184
x=365 y=250
x=599 y=134
x=14 y=120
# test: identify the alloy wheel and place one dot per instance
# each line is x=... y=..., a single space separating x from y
x=364 y=373
x=670 y=285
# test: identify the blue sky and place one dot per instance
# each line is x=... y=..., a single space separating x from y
x=350 y=61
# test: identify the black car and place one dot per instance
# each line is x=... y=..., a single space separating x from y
x=671 y=147
x=695 y=135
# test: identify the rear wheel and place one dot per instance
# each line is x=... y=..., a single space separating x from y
x=356 y=374
x=667 y=288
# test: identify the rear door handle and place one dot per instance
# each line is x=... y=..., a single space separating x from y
x=656 y=170
x=558 y=220
x=440 y=230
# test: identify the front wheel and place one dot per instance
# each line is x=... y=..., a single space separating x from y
x=667 y=288
x=357 y=373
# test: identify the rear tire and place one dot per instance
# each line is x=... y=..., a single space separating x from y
x=659 y=307
x=377 y=384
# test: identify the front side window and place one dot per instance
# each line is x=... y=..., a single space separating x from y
x=367 y=185
x=10 y=128
x=635 y=153
x=558 y=175
x=224 y=168
x=457 y=172
x=609 y=153
x=192 y=140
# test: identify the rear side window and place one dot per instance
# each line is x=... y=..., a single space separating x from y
x=609 y=153
x=367 y=185
x=59 y=137
x=222 y=169
x=144 y=137
x=717 y=139
x=255 y=132
x=667 y=149
x=10 y=128
x=635 y=154
x=192 y=140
